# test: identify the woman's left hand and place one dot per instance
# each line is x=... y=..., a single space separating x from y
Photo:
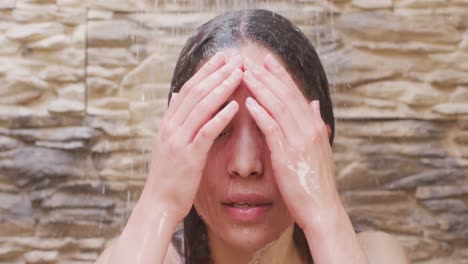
x=298 y=139
x=302 y=162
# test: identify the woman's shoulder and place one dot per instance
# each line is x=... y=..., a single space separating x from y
x=382 y=248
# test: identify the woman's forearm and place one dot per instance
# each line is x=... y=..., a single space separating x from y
x=146 y=237
x=332 y=239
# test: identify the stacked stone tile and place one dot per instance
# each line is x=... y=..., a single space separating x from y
x=84 y=83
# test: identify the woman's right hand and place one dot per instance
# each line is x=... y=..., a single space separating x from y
x=187 y=132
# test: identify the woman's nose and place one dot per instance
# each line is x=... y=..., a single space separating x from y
x=245 y=157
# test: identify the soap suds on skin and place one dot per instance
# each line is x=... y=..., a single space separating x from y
x=307 y=177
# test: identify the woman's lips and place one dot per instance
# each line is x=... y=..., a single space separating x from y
x=247 y=208
x=247 y=214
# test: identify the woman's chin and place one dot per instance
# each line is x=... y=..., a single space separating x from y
x=249 y=239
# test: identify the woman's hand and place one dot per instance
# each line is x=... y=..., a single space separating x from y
x=297 y=138
x=187 y=132
x=302 y=162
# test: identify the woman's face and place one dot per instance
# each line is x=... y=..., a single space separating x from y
x=238 y=198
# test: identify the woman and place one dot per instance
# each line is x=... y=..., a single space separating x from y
x=244 y=157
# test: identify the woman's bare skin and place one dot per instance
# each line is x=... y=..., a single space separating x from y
x=309 y=193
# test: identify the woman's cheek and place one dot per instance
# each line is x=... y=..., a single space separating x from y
x=207 y=201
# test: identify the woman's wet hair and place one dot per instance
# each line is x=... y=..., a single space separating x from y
x=282 y=38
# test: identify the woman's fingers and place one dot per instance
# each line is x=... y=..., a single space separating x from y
x=201 y=89
x=273 y=105
x=205 y=109
x=173 y=102
x=213 y=64
x=320 y=127
x=208 y=133
x=218 y=60
x=273 y=66
x=273 y=134
x=288 y=94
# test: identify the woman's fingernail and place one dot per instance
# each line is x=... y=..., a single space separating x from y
x=173 y=97
x=251 y=102
x=254 y=68
x=236 y=59
x=232 y=106
x=249 y=64
x=271 y=60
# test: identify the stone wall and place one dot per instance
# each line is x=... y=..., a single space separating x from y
x=83 y=85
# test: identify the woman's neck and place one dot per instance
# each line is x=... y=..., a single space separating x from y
x=282 y=250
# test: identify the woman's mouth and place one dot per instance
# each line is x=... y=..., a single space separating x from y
x=247 y=208
x=246 y=213
x=243 y=205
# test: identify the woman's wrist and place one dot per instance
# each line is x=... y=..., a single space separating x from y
x=331 y=237
x=324 y=215
x=325 y=218
x=153 y=208
x=146 y=236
